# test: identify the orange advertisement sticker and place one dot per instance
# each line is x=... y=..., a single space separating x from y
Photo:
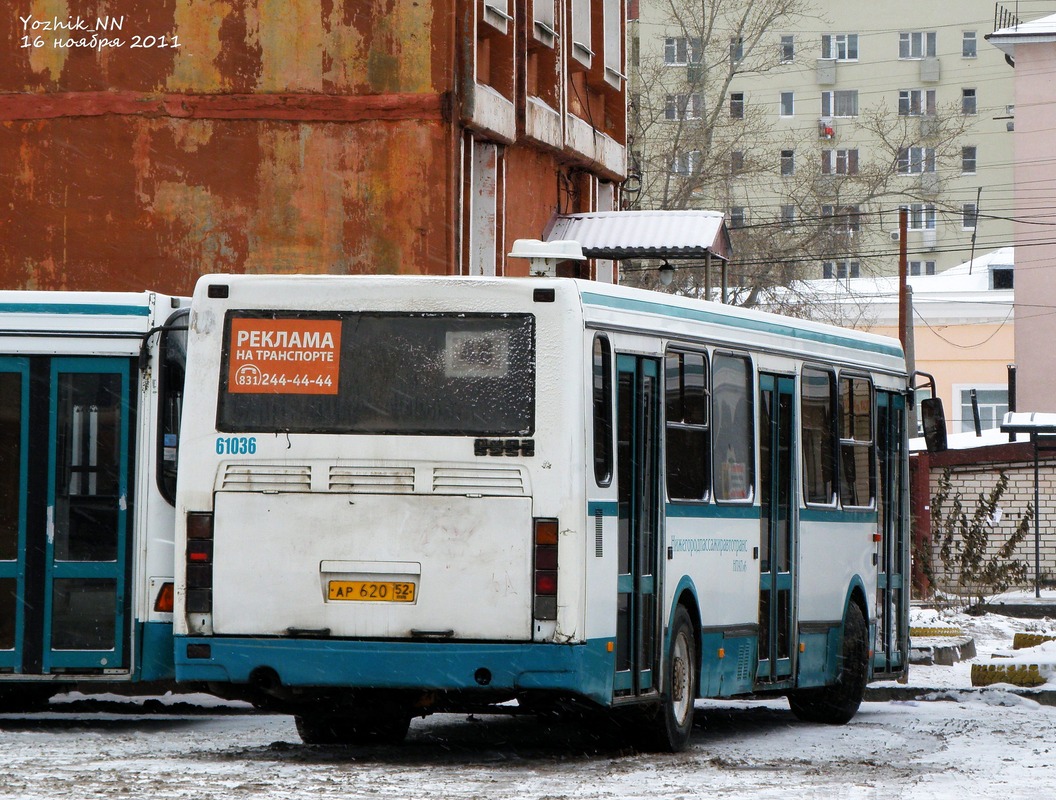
x=284 y=356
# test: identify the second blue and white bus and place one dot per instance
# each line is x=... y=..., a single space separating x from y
x=91 y=385
x=400 y=495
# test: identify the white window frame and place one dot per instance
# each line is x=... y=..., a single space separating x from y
x=787 y=104
x=965 y=95
x=543 y=22
x=915 y=45
x=788 y=163
x=839 y=161
x=581 y=49
x=841 y=269
x=916 y=160
x=916 y=102
x=969 y=44
x=963 y=399
x=974 y=159
x=741 y=104
x=833 y=102
x=839 y=46
x=921 y=216
x=685 y=162
x=921 y=267
x=969 y=216
x=786 y=48
x=680 y=51
x=680 y=107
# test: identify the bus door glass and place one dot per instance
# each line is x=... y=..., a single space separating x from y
x=637 y=475
x=777 y=539
x=891 y=583
x=84 y=570
x=14 y=432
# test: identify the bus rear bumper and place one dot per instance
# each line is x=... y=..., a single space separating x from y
x=584 y=669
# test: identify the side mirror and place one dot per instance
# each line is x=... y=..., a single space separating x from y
x=933 y=418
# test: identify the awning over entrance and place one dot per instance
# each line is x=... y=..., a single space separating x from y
x=645 y=234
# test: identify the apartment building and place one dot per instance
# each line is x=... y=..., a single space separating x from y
x=823 y=124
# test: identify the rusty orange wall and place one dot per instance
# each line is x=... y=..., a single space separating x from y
x=306 y=135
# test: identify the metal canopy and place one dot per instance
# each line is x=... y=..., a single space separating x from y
x=671 y=235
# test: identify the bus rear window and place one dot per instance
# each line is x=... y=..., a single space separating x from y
x=372 y=373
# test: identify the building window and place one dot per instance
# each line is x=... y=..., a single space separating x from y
x=916 y=44
x=968 y=104
x=788 y=104
x=839 y=162
x=788 y=162
x=992 y=402
x=968 y=44
x=842 y=219
x=915 y=160
x=737 y=216
x=968 y=160
x=681 y=50
x=1001 y=277
x=682 y=106
x=840 y=270
x=840 y=103
x=737 y=105
x=736 y=49
x=686 y=162
x=921 y=267
x=969 y=216
x=916 y=102
x=788 y=49
x=686 y=425
x=788 y=216
x=840 y=46
x=921 y=216
x=736 y=162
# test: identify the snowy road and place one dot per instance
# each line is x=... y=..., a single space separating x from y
x=935 y=750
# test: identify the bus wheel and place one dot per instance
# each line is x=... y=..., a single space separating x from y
x=669 y=729
x=361 y=729
x=837 y=704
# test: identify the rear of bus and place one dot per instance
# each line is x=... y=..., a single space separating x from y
x=376 y=492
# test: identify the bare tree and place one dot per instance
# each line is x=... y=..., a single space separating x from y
x=698 y=142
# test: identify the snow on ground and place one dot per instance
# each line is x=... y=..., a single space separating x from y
x=993 y=743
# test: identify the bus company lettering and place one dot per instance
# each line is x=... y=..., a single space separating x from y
x=284 y=356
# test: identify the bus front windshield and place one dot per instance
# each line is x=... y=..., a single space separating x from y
x=377 y=373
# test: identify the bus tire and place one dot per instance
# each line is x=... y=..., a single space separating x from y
x=362 y=729
x=837 y=704
x=669 y=729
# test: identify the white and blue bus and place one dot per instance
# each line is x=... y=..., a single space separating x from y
x=91 y=385
x=407 y=494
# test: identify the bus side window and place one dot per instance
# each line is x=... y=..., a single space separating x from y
x=686 y=430
x=733 y=426
x=173 y=360
x=819 y=436
x=857 y=457
x=602 y=394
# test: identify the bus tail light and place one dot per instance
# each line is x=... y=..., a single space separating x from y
x=545 y=568
x=163 y=602
x=199 y=563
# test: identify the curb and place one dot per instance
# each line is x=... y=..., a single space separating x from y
x=908 y=694
x=1017 y=674
x=1022 y=641
x=932 y=632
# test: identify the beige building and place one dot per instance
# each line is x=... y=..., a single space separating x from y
x=1031 y=46
x=845 y=115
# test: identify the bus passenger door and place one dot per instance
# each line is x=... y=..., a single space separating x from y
x=84 y=571
x=891 y=582
x=637 y=477
x=778 y=523
x=14 y=473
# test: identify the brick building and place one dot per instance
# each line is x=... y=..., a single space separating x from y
x=143 y=143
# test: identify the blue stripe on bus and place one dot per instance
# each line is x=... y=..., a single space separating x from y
x=712 y=511
x=757 y=325
x=837 y=515
x=605 y=508
x=94 y=309
x=585 y=669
